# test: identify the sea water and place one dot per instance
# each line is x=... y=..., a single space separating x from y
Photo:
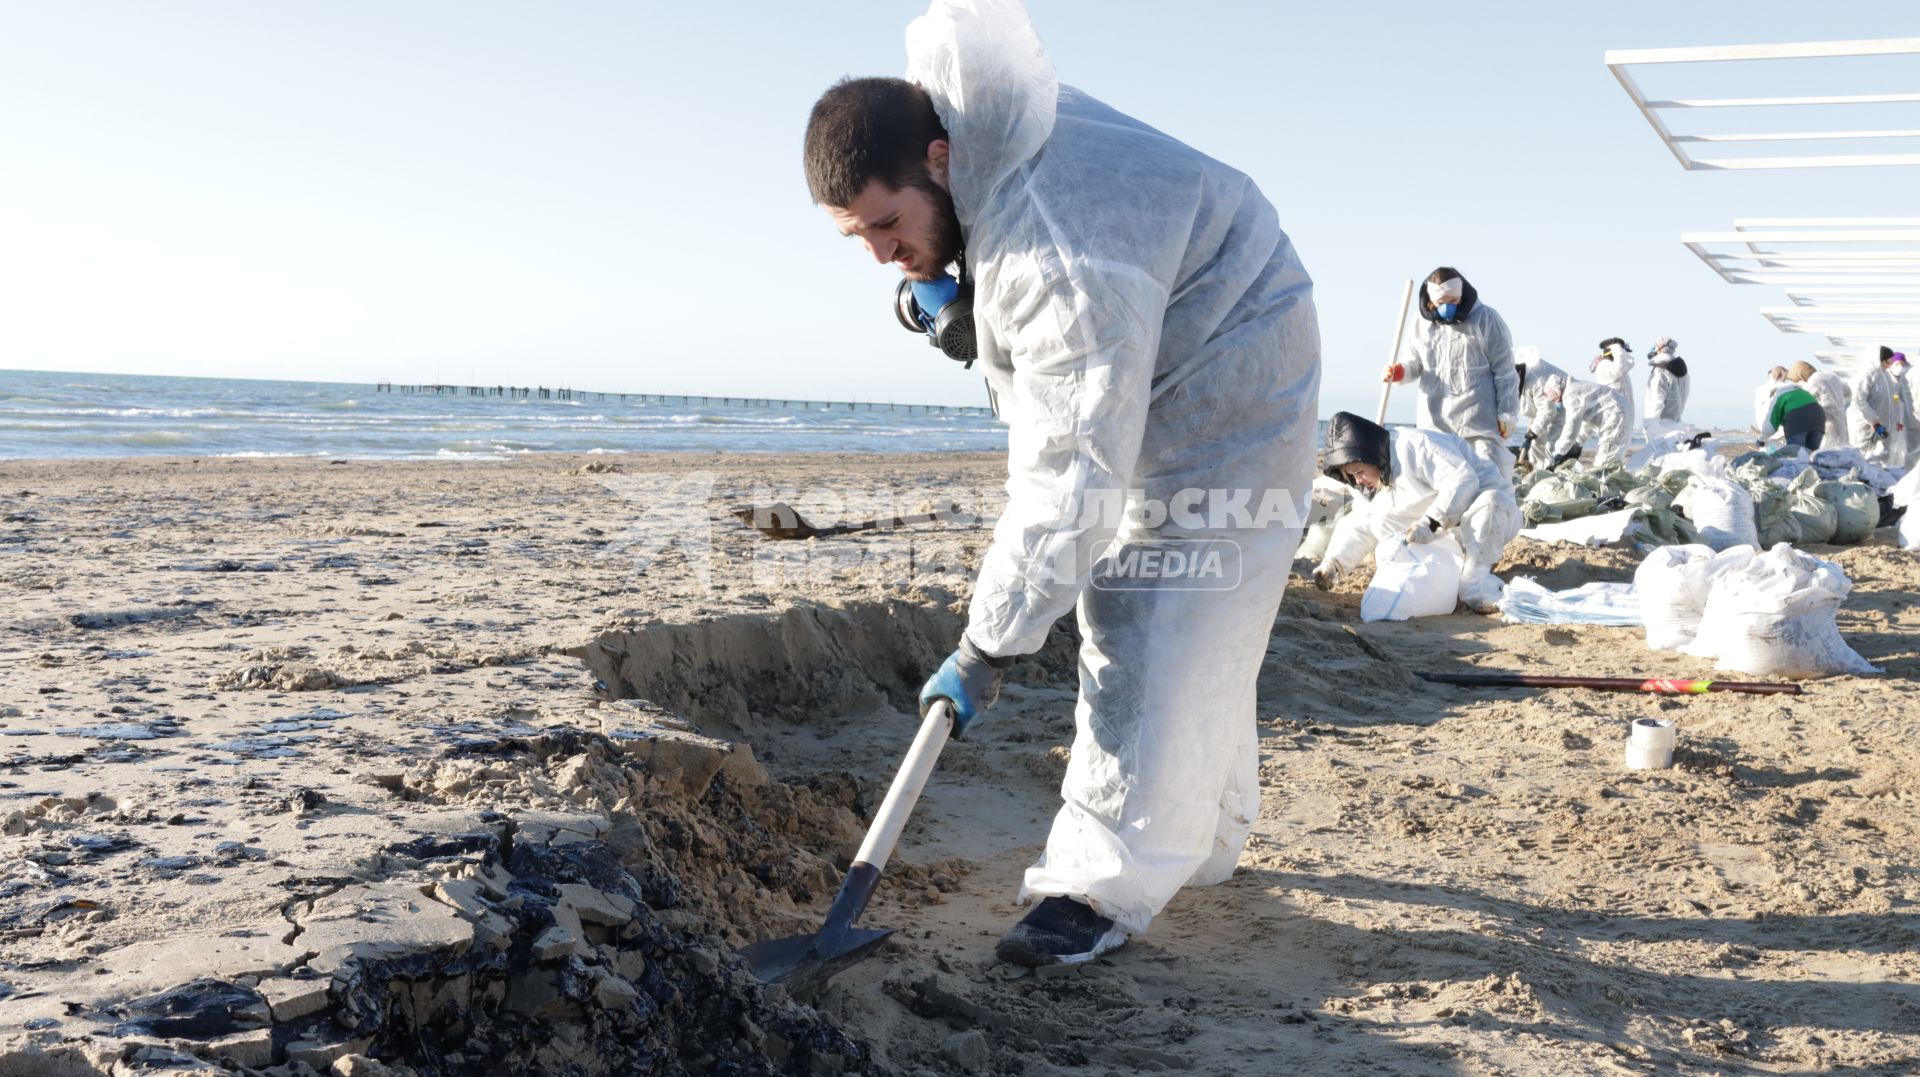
x=44 y=414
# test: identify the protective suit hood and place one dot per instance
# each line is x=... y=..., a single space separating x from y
x=1353 y=440
x=998 y=107
x=1468 y=299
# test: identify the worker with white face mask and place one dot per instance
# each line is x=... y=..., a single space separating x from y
x=1591 y=411
x=1612 y=368
x=1460 y=355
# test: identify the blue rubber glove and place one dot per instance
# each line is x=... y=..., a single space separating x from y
x=1879 y=431
x=969 y=679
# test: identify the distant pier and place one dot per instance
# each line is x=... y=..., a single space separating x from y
x=542 y=392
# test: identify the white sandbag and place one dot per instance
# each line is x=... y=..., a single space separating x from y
x=1773 y=616
x=1412 y=580
x=1673 y=583
x=1702 y=460
x=1721 y=510
x=1905 y=494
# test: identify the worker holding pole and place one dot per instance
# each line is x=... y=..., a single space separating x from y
x=1461 y=358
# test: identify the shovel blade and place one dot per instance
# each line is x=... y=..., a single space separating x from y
x=798 y=959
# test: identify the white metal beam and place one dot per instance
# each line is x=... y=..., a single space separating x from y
x=1802 y=50
x=1618 y=62
x=1785 y=102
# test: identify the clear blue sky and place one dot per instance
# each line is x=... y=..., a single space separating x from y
x=609 y=194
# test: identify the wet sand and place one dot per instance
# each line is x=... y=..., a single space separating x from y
x=462 y=766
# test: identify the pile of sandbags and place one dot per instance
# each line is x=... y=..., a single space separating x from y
x=1773 y=615
x=1673 y=583
x=1688 y=496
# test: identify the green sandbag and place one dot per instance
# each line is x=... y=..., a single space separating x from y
x=1665 y=527
x=1772 y=516
x=1557 y=497
x=1649 y=497
x=1818 y=519
x=1856 y=509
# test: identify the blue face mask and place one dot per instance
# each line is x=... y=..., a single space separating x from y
x=1446 y=311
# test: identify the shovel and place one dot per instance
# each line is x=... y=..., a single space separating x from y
x=807 y=960
x=782 y=521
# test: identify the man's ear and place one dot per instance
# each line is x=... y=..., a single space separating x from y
x=937 y=151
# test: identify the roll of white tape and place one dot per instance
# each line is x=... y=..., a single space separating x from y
x=1650 y=747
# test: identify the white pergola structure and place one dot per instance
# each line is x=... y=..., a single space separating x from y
x=1619 y=60
x=1853 y=280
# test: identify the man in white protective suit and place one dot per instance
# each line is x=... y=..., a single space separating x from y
x=1151 y=337
x=1544 y=417
x=1613 y=368
x=1834 y=396
x=1667 y=384
x=1419 y=484
x=1870 y=418
x=1590 y=411
x=1460 y=355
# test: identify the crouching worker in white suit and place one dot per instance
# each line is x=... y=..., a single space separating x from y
x=1419 y=484
x=1591 y=411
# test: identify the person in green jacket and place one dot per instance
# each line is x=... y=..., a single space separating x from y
x=1795 y=415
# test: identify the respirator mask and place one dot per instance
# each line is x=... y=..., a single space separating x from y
x=943 y=310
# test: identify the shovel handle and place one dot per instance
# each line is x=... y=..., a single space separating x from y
x=891 y=819
x=1393 y=355
x=864 y=874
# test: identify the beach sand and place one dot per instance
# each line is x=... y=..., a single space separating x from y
x=479 y=767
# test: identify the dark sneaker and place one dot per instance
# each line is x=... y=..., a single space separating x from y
x=1060 y=931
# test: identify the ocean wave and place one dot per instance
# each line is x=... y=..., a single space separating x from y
x=167 y=438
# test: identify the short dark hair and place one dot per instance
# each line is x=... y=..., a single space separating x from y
x=868 y=129
x=1443 y=275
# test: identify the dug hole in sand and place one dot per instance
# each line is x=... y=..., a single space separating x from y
x=409 y=768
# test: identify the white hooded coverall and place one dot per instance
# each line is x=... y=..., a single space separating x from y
x=1904 y=438
x=1435 y=474
x=1593 y=411
x=1544 y=417
x=1149 y=330
x=1465 y=373
x=1666 y=391
x=1872 y=403
x=1614 y=370
x=1834 y=396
